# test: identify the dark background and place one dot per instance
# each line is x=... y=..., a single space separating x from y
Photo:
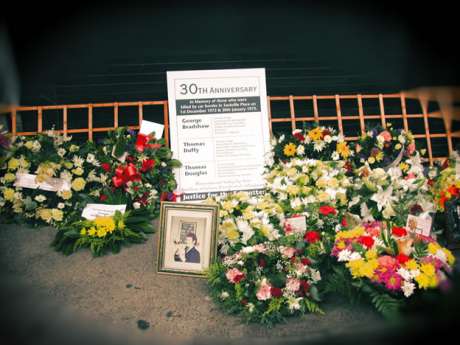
x=85 y=52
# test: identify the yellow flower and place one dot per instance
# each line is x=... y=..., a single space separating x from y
x=371 y=254
x=321 y=182
x=92 y=231
x=323 y=196
x=105 y=223
x=223 y=213
x=398 y=146
x=368 y=268
x=248 y=213
x=450 y=257
x=425 y=281
x=291 y=171
x=83 y=232
x=23 y=162
x=343 y=149
x=333 y=183
x=265 y=230
x=342 y=198
x=65 y=194
x=57 y=214
x=404 y=166
x=356 y=232
x=379 y=156
x=428 y=269
x=78 y=184
x=8 y=194
x=29 y=145
x=315 y=134
x=9 y=177
x=355 y=267
x=68 y=165
x=411 y=265
x=433 y=247
x=228 y=228
x=289 y=150
x=13 y=164
x=101 y=232
x=45 y=214
x=77 y=171
x=371 y=160
x=293 y=189
x=340 y=245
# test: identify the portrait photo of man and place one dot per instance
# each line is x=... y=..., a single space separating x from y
x=188 y=251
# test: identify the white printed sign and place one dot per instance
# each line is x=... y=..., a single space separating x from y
x=298 y=224
x=219 y=130
x=51 y=184
x=91 y=211
x=420 y=225
x=147 y=127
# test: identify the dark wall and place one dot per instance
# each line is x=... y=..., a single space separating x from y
x=109 y=52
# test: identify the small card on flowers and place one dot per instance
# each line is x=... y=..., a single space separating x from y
x=298 y=224
x=91 y=211
x=420 y=225
x=148 y=127
x=51 y=184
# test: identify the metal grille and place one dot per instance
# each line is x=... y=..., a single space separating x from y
x=350 y=114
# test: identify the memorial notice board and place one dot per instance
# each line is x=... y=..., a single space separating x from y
x=219 y=130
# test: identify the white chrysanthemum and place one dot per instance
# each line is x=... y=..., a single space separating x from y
x=405 y=274
x=60 y=205
x=136 y=205
x=296 y=203
x=78 y=161
x=327 y=139
x=335 y=156
x=281 y=139
x=316 y=275
x=224 y=295
x=36 y=146
x=344 y=255
x=408 y=288
x=319 y=146
x=300 y=150
x=355 y=256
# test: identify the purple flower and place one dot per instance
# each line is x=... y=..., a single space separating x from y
x=4 y=141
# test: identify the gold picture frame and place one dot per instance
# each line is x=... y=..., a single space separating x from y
x=188 y=238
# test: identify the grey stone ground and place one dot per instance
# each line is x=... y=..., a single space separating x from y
x=115 y=291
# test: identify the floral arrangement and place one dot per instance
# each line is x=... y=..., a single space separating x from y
x=104 y=234
x=268 y=268
x=139 y=168
x=388 y=263
x=318 y=142
x=446 y=186
x=48 y=157
x=391 y=194
x=383 y=147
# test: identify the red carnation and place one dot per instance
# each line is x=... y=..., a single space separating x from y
x=276 y=292
x=305 y=261
x=105 y=166
x=366 y=241
x=326 y=210
x=402 y=259
x=299 y=136
x=453 y=190
x=304 y=286
x=344 y=222
x=103 y=197
x=147 y=164
x=312 y=236
x=244 y=301
x=398 y=231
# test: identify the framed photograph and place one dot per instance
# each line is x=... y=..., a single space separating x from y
x=188 y=238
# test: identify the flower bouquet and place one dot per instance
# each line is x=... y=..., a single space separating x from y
x=104 y=233
x=267 y=269
x=318 y=142
x=139 y=169
x=388 y=264
x=265 y=282
x=391 y=194
x=383 y=147
x=45 y=180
